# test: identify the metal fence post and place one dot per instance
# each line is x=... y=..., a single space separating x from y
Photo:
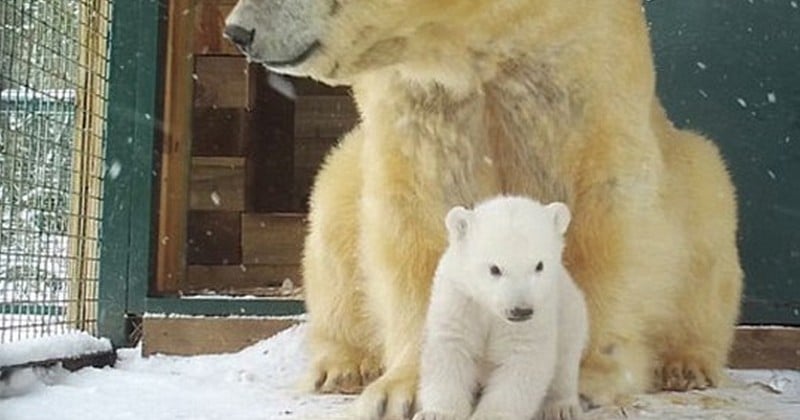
x=126 y=255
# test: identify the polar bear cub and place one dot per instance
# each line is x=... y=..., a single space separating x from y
x=506 y=325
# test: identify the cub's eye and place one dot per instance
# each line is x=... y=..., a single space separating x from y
x=495 y=271
x=539 y=267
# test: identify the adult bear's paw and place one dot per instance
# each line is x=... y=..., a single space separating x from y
x=687 y=373
x=343 y=372
x=391 y=397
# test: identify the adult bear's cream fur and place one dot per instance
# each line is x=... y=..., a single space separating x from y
x=461 y=100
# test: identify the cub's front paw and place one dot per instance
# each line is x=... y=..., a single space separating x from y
x=561 y=410
x=433 y=415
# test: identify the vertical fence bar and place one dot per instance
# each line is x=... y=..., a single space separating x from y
x=87 y=186
x=133 y=110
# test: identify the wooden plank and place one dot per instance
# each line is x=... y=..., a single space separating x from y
x=271 y=148
x=217 y=183
x=309 y=152
x=766 y=348
x=208 y=25
x=755 y=347
x=303 y=182
x=223 y=82
x=272 y=238
x=173 y=202
x=213 y=237
x=258 y=280
x=270 y=169
x=192 y=336
x=307 y=87
x=220 y=132
x=324 y=116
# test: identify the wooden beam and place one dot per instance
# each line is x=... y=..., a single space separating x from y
x=755 y=347
x=324 y=116
x=217 y=183
x=175 y=154
x=220 y=132
x=191 y=336
x=766 y=348
x=258 y=280
x=213 y=237
x=272 y=238
x=223 y=82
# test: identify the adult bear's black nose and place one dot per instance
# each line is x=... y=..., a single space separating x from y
x=239 y=36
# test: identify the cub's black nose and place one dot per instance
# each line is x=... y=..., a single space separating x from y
x=239 y=36
x=520 y=314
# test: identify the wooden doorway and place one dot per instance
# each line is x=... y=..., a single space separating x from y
x=240 y=149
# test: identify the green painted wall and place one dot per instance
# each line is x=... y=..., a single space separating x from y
x=731 y=70
x=727 y=68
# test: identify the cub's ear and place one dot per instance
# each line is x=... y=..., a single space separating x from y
x=457 y=222
x=562 y=216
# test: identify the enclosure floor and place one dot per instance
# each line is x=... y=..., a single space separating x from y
x=261 y=382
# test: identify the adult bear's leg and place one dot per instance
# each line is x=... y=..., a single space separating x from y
x=626 y=253
x=694 y=348
x=345 y=357
x=402 y=240
x=618 y=360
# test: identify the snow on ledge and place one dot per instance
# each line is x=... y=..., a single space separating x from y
x=162 y=315
x=766 y=327
x=64 y=346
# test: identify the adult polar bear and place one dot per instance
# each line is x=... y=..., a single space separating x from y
x=461 y=100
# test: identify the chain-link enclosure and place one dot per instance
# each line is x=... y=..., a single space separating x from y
x=53 y=90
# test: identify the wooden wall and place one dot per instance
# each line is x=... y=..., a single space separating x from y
x=257 y=140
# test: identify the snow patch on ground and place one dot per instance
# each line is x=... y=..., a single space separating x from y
x=63 y=346
x=263 y=382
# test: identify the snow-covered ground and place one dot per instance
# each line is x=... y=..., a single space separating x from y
x=71 y=345
x=262 y=382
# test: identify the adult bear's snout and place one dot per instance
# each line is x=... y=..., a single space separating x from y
x=240 y=36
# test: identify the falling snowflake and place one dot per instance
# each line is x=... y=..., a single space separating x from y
x=771 y=97
x=115 y=169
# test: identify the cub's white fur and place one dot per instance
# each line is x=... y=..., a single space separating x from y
x=485 y=354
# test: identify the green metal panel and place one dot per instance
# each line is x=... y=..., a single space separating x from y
x=127 y=213
x=731 y=70
x=149 y=59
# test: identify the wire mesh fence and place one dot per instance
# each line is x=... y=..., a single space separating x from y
x=53 y=91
